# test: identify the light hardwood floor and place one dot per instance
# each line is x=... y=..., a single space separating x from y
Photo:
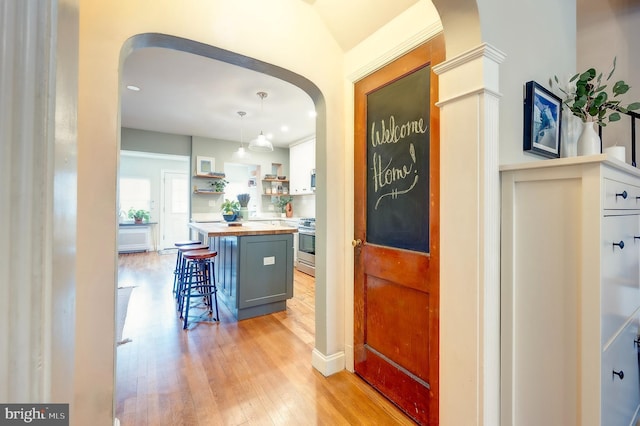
x=252 y=372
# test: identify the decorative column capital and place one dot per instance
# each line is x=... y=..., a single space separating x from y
x=470 y=73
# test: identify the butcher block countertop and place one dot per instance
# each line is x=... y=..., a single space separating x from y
x=222 y=229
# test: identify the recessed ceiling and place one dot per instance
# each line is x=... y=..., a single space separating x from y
x=187 y=94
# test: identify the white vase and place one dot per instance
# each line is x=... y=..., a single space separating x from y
x=244 y=213
x=571 y=129
x=589 y=141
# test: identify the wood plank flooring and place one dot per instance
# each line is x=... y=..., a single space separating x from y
x=252 y=372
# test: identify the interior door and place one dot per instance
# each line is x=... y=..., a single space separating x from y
x=396 y=241
x=175 y=208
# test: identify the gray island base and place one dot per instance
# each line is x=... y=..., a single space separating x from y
x=254 y=266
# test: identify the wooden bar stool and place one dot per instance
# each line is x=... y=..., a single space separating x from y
x=176 y=270
x=199 y=286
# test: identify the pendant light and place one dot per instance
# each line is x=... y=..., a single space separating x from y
x=241 y=153
x=261 y=144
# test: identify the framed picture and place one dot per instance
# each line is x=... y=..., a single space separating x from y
x=542 y=121
x=205 y=165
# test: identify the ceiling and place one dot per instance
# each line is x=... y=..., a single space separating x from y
x=187 y=94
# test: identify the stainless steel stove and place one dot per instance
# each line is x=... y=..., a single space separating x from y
x=307 y=246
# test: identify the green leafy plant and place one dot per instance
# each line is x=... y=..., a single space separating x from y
x=218 y=185
x=587 y=97
x=282 y=202
x=230 y=207
x=138 y=214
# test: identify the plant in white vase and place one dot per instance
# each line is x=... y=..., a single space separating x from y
x=587 y=98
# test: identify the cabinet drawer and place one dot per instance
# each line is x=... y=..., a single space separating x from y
x=620 y=393
x=620 y=195
x=620 y=290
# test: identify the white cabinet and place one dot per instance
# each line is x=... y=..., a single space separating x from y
x=302 y=161
x=570 y=292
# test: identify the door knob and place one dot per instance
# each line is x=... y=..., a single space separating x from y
x=356 y=243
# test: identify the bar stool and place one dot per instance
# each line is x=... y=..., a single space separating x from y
x=199 y=283
x=176 y=270
x=181 y=269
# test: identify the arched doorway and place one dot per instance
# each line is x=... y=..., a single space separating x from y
x=211 y=52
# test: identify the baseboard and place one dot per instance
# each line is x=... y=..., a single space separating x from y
x=349 y=359
x=327 y=364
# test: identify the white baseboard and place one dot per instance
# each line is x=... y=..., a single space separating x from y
x=349 y=360
x=327 y=364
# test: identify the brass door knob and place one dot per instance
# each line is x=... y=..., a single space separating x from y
x=356 y=243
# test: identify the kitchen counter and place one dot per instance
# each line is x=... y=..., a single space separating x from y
x=215 y=218
x=222 y=229
x=254 y=265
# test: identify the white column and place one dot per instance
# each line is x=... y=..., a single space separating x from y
x=36 y=134
x=470 y=238
x=26 y=84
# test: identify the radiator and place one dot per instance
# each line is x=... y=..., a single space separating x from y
x=134 y=238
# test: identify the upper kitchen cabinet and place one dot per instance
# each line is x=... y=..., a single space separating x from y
x=302 y=164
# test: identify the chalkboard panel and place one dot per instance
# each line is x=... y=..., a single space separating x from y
x=398 y=163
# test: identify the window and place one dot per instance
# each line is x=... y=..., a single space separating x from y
x=134 y=193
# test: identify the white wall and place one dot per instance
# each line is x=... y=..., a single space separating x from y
x=607 y=30
x=539 y=40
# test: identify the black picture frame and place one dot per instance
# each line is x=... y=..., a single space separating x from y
x=542 y=121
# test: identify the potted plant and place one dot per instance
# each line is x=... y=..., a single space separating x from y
x=230 y=210
x=284 y=204
x=587 y=98
x=218 y=185
x=138 y=215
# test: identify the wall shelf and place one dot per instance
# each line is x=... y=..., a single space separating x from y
x=204 y=192
x=208 y=177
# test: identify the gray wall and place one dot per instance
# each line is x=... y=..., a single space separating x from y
x=223 y=151
x=160 y=143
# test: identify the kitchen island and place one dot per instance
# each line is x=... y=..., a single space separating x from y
x=254 y=266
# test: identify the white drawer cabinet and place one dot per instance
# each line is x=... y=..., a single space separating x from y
x=570 y=293
x=620 y=296
x=620 y=381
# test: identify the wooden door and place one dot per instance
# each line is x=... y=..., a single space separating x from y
x=397 y=231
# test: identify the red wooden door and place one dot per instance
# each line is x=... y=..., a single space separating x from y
x=397 y=231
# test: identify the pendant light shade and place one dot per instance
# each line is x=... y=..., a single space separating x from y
x=241 y=153
x=261 y=143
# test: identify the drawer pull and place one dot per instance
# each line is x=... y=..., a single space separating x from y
x=619 y=374
x=636 y=342
x=622 y=194
x=620 y=244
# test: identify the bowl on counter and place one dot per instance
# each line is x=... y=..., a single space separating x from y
x=230 y=217
x=282 y=178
